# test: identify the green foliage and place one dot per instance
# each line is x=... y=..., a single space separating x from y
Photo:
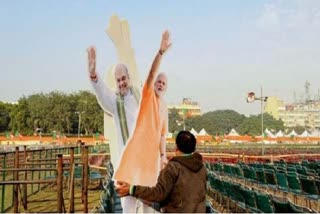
x=55 y=111
x=252 y=125
x=4 y=116
x=216 y=122
x=174 y=120
x=222 y=121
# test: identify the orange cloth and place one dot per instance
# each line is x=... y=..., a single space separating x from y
x=140 y=160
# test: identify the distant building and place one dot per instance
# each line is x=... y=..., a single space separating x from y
x=272 y=106
x=297 y=114
x=188 y=107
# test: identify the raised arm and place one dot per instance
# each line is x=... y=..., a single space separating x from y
x=92 y=63
x=105 y=96
x=164 y=46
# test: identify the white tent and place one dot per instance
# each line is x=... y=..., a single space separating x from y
x=292 y=134
x=194 y=132
x=233 y=133
x=315 y=133
x=203 y=132
x=305 y=134
x=279 y=134
x=269 y=133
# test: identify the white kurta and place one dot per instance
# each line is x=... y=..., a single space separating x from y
x=108 y=102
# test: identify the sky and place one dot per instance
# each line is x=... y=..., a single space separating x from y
x=221 y=50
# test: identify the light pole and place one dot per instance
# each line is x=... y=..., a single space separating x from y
x=184 y=124
x=39 y=131
x=179 y=123
x=79 y=122
x=251 y=98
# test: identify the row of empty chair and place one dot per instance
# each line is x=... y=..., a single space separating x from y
x=269 y=177
x=248 y=199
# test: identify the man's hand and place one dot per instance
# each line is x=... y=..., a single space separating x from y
x=92 y=62
x=165 y=42
x=122 y=188
x=164 y=162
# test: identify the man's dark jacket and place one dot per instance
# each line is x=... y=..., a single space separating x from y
x=181 y=185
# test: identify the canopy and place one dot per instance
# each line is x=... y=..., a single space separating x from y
x=292 y=133
x=194 y=132
x=269 y=133
x=305 y=134
x=203 y=132
x=279 y=134
x=233 y=133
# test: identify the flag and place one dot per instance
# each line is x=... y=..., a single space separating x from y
x=54 y=135
x=265 y=135
x=184 y=111
x=7 y=135
x=97 y=135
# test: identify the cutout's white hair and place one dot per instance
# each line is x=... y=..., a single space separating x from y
x=162 y=74
x=120 y=65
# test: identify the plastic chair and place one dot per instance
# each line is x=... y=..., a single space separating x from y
x=309 y=189
x=264 y=203
x=294 y=185
x=282 y=183
x=270 y=178
x=249 y=199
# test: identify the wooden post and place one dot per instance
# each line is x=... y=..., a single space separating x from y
x=25 y=190
x=60 y=184
x=16 y=186
x=32 y=174
x=39 y=174
x=4 y=186
x=71 y=176
x=85 y=178
x=82 y=178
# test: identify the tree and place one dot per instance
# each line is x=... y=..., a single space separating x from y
x=217 y=122
x=56 y=112
x=91 y=112
x=20 y=117
x=252 y=124
x=4 y=116
x=174 y=119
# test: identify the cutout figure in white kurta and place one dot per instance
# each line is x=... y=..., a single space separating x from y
x=119 y=97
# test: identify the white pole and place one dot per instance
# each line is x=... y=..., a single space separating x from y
x=262 y=132
x=79 y=125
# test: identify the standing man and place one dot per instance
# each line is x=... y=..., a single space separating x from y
x=146 y=149
x=122 y=105
x=182 y=184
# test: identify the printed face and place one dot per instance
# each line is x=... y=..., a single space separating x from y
x=160 y=85
x=122 y=80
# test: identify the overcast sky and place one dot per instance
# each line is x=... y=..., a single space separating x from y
x=221 y=49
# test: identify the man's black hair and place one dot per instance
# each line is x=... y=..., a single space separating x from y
x=186 y=142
